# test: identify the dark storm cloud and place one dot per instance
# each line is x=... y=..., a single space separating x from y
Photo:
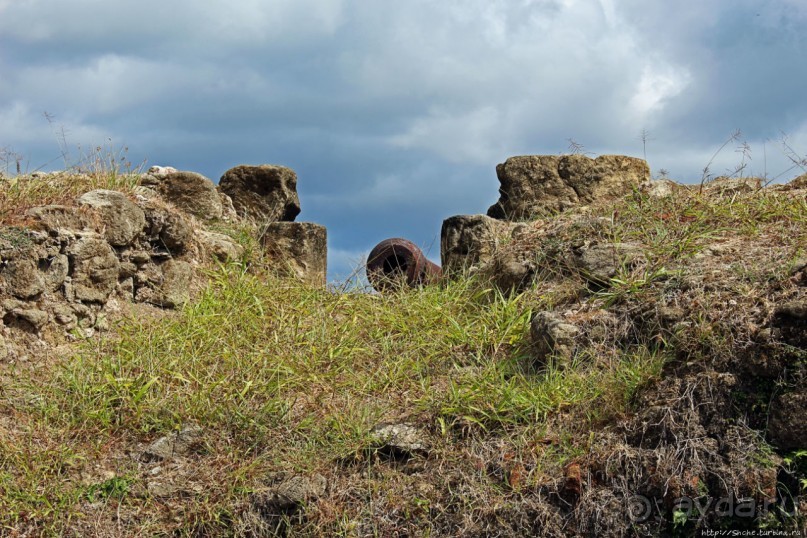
x=394 y=114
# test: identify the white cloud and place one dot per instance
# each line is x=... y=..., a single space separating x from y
x=251 y=22
x=19 y=123
x=466 y=136
x=205 y=22
x=657 y=85
x=610 y=11
x=42 y=144
x=401 y=104
x=495 y=76
x=105 y=84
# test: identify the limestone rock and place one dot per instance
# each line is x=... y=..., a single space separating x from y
x=607 y=177
x=511 y=273
x=161 y=171
x=54 y=271
x=166 y=285
x=267 y=508
x=798 y=183
x=21 y=278
x=139 y=257
x=191 y=192
x=401 y=439
x=168 y=229
x=298 y=490
x=144 y=193
x=149 y=275
x=95 y=270
x=127 y=270
x=122 y=220
x=176 y=444
x=734 y=185
x=8 y=305
x=64 y=315
x=265 y=193
x=660 y=188
x=601 y=262
x=54 y=218
x=31 y=318
x=159 y=489
x=298 y=249
x=126 y=288
x=467 y=241
x=220 y=246
x=552 y=336
x=228 y=212
x=84 y=314
x=537 y=184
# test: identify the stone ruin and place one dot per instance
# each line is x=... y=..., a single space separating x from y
x=66 y=266
x=532 y=186
x=71 y=264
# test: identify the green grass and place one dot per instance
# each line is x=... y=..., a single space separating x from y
x=679 y=226
x=100 y=167
x=285 y=377
x=19 y=194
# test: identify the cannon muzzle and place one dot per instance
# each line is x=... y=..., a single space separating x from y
x=399 y=259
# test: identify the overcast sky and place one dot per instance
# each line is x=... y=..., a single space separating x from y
x=395 y=114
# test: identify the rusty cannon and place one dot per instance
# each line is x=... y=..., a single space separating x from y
x=394 y=260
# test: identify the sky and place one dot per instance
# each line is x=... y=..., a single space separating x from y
x=395 y=114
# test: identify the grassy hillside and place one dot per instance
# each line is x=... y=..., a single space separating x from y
x=274 y=381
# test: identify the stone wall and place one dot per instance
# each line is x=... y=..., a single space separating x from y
x=64 y=267
x=531 y=186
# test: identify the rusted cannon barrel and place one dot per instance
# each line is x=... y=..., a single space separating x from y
x=395 y=259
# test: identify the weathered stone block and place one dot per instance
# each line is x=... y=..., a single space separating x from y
x=55 y=218
x=601 y=262
x=30 y=319
x=166 y=285
x=121 y=219
x=298 y=249
x=220 y=246
x=532 y=185
x=21 y=278
x=469 y=240
x=166 y=229
x=265 y=193
x=190 y=192
x=552 y=336
x=54 y=271
x=95 y=269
